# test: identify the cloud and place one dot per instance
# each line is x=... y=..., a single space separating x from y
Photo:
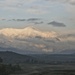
x=70 y=35
x=36 y=11
x=39 y=22
x=57 y=24
x=18 y=19
x=13 y=19
x=56 y=0
x=33 y=19
x=27 y=6
x=72 y=2
x=70 y=9
x=2 y=19
x=15 y=3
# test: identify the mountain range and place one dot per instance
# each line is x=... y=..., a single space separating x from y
x=15 y=58
x=32 y=40
x=10 y=57
x=26 y=32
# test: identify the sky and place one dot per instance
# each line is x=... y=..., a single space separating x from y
x=57 y=15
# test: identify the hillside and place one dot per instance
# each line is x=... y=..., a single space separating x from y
x=55 y=58
x=12 y=57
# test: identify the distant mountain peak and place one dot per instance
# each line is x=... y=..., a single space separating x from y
x=31 y=28
x=29 y=31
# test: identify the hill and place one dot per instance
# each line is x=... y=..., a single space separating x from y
x=56 y=58
x=12 y=57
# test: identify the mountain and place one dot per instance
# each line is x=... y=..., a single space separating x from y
x=9 y=57
x=12 y=57
x=29 y=39
x=55 y=58
x=34 y=41
x=26 y=32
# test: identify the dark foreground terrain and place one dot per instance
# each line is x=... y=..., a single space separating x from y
x=53 y=64
x=31 y=69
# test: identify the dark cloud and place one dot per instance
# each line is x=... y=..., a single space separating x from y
x=18 y=20
x=33 y=19
x=50 y=41
x=39 y=22
x=2 y=19
x=65 y=36
x=38 y=37
x=72 y=2
x=70 y=35
x=57 y=24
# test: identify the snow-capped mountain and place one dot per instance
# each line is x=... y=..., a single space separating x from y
x=33 y=40
x=29 y=39
x=26 y=32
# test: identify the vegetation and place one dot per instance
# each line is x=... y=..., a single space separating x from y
x=9 y=69
x=36 y=64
